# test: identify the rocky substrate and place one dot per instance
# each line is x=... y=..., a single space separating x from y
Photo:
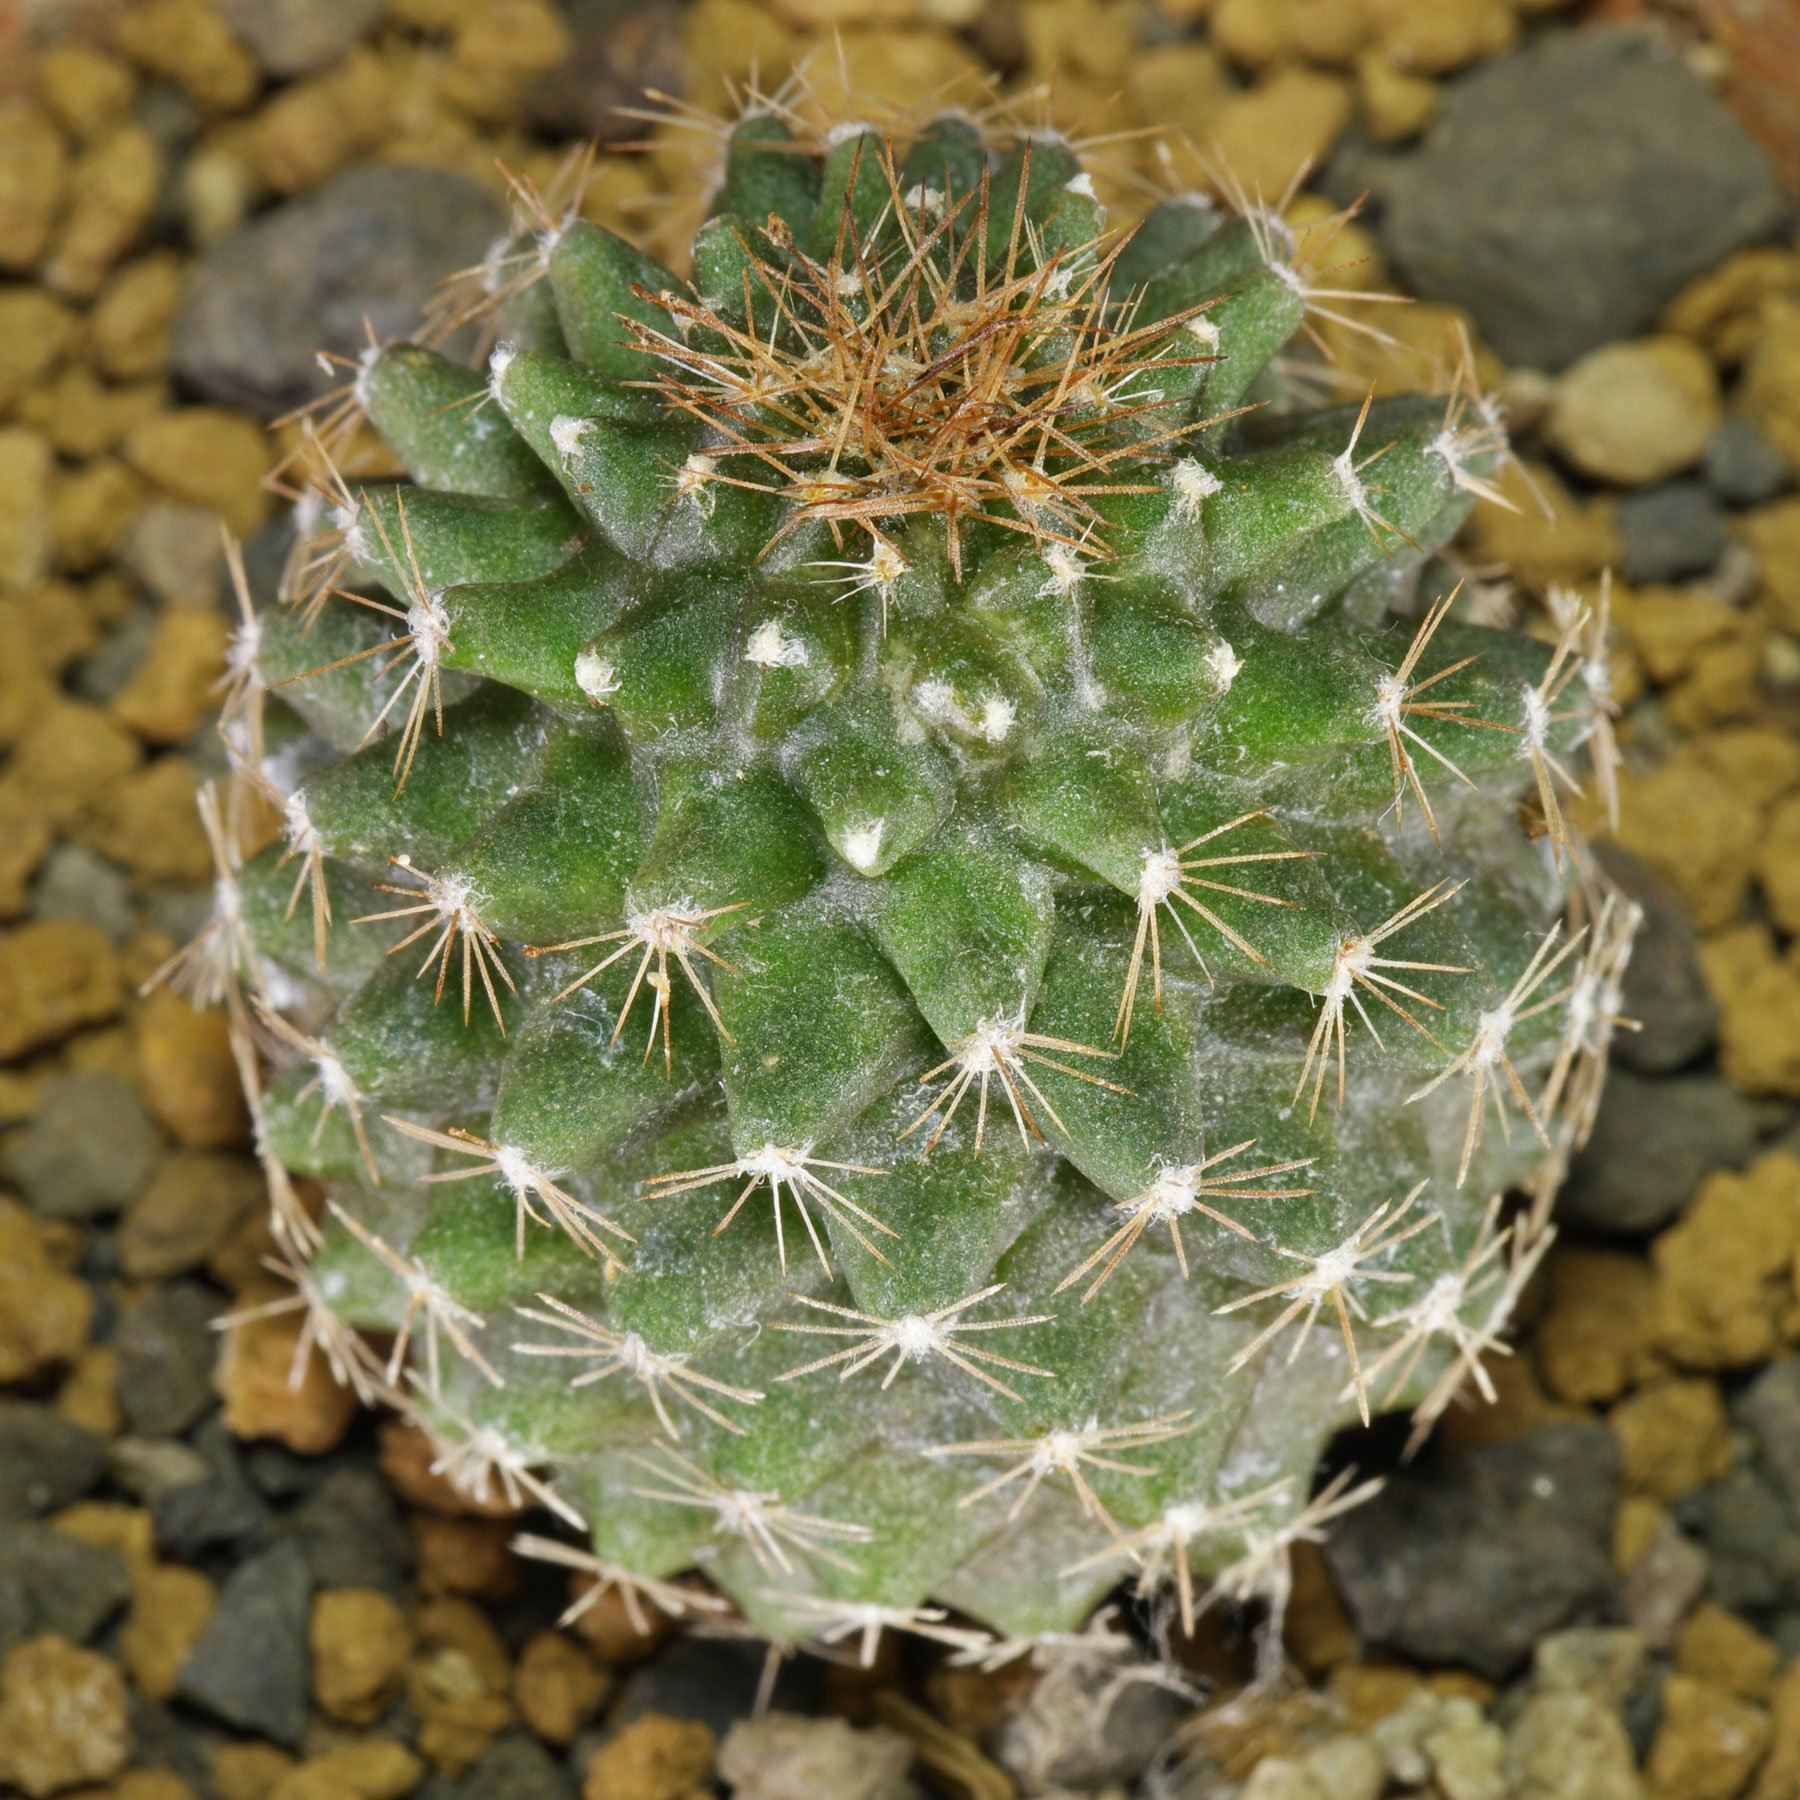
x=217 y=1583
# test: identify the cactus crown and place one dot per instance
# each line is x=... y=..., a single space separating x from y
x=943 y=899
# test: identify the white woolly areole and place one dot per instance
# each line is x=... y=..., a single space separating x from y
x=770 y=648
x=861 y=847
x=1224 y=665
x=997 y=715
x=596 y=676
x=1193 y=484
x=1082 y=184
x=430 y=630
x=498 y=363
x=515 y=1169
x=566 y=433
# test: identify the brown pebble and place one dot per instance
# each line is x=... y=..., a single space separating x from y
x=150 y=826
x=360 y=1646
x=149 y=1784
x=1707 y=1743
x=45 y=1312
x=406 y=1456
x=171 y=1606
x=69 y=758
x=34 y=168
x=209 y=457
x=252 y=1378
x=653 y=1758
x=188 y=42
x=559 y=1686
x=1673 y=1437
x=62 y=1717
x=113 y=186
x=465 y=1556
x=88 y=1395
x=83 y=417
x=56 y=975
x=36 y=329
x=128 y=330
x=25 y=840
x=112 y=1525
x=26 y=466
x=85 y=88
x=1598 y=1333
x=91 y=510
x=1716 y=1646
x=187 y=1074
x=606 y=1626
x=194 y=1203
x=247 y=1771
x=375 y=1769
x=458 y=1684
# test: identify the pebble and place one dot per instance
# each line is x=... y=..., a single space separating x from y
x=458 y=1684
x=353 y=1533
x=1532 y=162
x=1087 y=1729
x=1670 y=532
x=56 y=975
x=33 y=172
x=189 y=42
x=1726 y=1266
x=704 y=1679
x=1714 y=1645
x=1779 y=1778
x=88 y=1149
x=374 y=1769
x=1605 y=1662
x=247 y=1770
x=559 y=1685
x=784 y=1756
x=1708 y=1742
x=172 y=691
x=1773 y=532
x=294 y=37
x=90 y=511
x=46 y=1313
x=1393 y=104
x=1652 y=1145
x=63 y=1717
x=1474 y=1560
x=1635 y=413
x=209 y=1505
x=515 y=1767
x=250 y=1668
x=206 y=456
x=195 y=1205
x=1769 y=1409
x=1741 y=466
x=1673 y=1437
x=1287 y=121
x=360 y=1646
x=465 y=1556
x=1771 y=385
x=1597 y=1334
x=1663 y=1578
x=1691 y=826
x=46 y=1463
x=186 y=1071
x=36 y=330
x=1778 y=865
x=112 y=194
x=614 y=56
x=1759 y=1019
x=653 y=1758
x=1751 y=1544
x=167 y=1345
x=406 y=1456
x=303 y=278
x=173 y=549
x=1569 y=1747
x=51 y=1581
x=84 y=86
x=171 y=1608
x=26 y=465
x=255 y=1363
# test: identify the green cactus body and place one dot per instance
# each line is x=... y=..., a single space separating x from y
x=943 y=907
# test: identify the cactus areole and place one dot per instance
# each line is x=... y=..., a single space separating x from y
x=888 y=939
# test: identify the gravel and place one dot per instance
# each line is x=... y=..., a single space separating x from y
x=514 y=1768
x=1669 y=532
x=78 y=883
x=294 y=37
x=1769 y=1409
x=87 y=1151
x=1595 y=154
x=166 y=1347
x=1472 y=1558
x=1665 y=988
x=46 y=1463
x=251 y=1667
x=304 y=276
x=1748 y=1530
x=1742 y=466
x=353 y=1533
x=50 y=1581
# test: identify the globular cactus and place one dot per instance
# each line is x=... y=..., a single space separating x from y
x=895 y=899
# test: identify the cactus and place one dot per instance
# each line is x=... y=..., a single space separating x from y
x=908 y=942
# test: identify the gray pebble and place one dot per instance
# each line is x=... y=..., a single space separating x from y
x=1769 y=1409
x=1743 y=467
x=787 y=1756
x=294 y=37
x=353 y=1533
x=252 y=1666
x=303 y=277
x=1669 y=532
x=514 y=1767
x=88 y=1149
x=622 y=48
x=1474 y=1557
x=173 y=549
x=145 y=1467
x=1744 y=1523
x=78 y=883
x=219 y=1510
x=50 y=1581
x=1570 y=1747
x=46 y=1462
x=1665 y=988
x=1598 y=154
x=166 y=1347
x=710 y=1680
x=1653 y=1144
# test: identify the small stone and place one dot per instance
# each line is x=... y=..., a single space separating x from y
x=1533 y=160
x=171 y=1608
x=113 y=187
x=559 y=1685
x=36 y=330
x=1604 y=1662
x=1652 y=1144
x=171 y=693
x=197 y=1202
x=1347 y=1768
x=610 y=1632
x=50 y=1581
x=1742 y=466
x=55 y=977
x=353 y=1533
x=1773 y=532
x=255 y=1363
x=1759 y=1020
x=63 y=1718
x=294 y=37
x=91 y=510
x=1467 y=1753
x=1395 y=103
x=406 y=1457
x=174 y=550
x=1717 y=1647
x=250 y=1667
x=1498 y=1545
x=1289 y=120
x=783 y=1756
x=206 y=456
x=375 y=1769
x=189 y=42
x=85 y=87
x=1707 y=1744
x=187 y=1073
x=167 y=1346
x=1670 y=532
x=247 y=1770
x=219 y=1512
x=1570 y=1747
x=516 y=1767
x=466 y=1556
x=695 y=1678
x=360 y=1646
x=26 y=465
x=130 y=326
x=304 y=277
x=88 y=1149
x=1726 y=1266
x=1770 y=394
x=1673 y=1438
x=45 y=1312
x=86 y=1398
x=1778 y=865
x=1665 y=988
x=1688 y=825
x=615 y=55
x=1438 y=39
x=1636 y=413
x=46 y=1463
x=653 y=1759
x=33 y=171
x=1769 y=1409
x=1280 y=1778
x=1597 y=1335
x=458 y=1684
x=111 y=1525
x=1750 y=1541
x=74 y=883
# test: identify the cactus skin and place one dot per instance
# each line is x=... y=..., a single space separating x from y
x=865 y=784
